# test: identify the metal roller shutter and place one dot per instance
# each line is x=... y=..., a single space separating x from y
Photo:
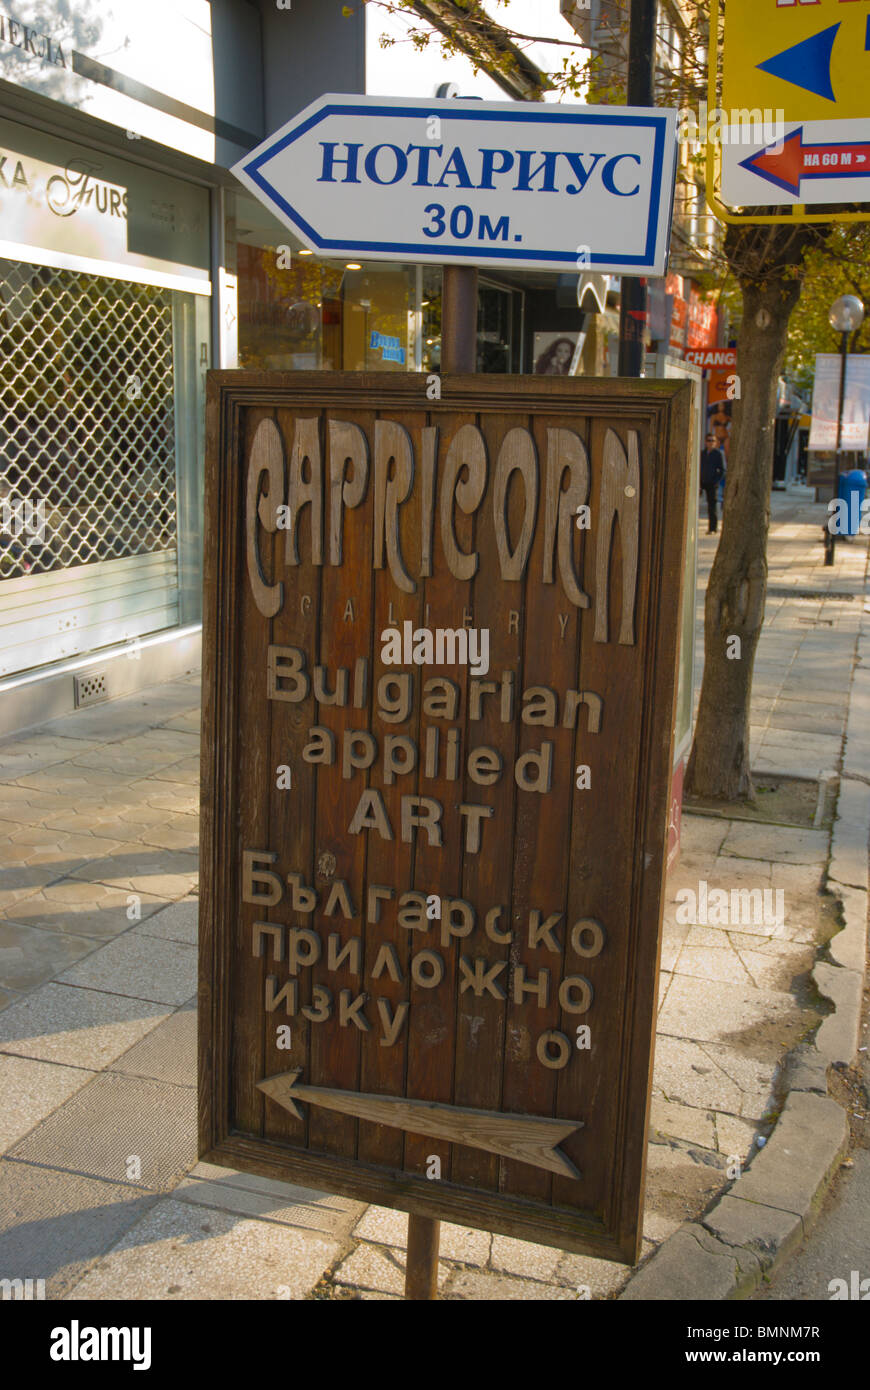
x=88 y=533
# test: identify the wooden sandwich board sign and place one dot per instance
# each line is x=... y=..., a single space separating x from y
x=439 y=670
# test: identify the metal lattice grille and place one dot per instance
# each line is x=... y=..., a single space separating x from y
x=87 y=431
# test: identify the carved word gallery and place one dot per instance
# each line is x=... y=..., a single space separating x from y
x=303 y=947
x=301 y=494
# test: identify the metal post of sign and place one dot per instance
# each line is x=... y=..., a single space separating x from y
x=458 y=354
x=459 y=319
x=633 y=297
x=831 y=532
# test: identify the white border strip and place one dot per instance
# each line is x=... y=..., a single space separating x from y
x=142 y=275
x=171 y=634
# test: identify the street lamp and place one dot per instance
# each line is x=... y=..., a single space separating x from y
x=845 y=316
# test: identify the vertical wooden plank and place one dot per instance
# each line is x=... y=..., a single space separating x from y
x=603 y=879
x=438 y=869
x=540 y=884
x=253 y=831
x=390 y=862
x=487 y=876
x=291 y=810
x=345 y=638
x=668 y=527
x=222 y=536
x=421 y=1272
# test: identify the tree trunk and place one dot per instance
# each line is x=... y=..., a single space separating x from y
x=719 y=766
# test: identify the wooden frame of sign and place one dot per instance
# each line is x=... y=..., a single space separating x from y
x=440 y=647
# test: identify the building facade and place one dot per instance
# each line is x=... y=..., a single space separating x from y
x=131 y=261
x=115 y=138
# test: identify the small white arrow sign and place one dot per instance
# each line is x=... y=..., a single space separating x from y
x=464 y=182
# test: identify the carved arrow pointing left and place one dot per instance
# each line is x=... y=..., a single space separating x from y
x=527 y=1138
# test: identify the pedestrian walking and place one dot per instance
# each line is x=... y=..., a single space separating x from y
x=712 y=469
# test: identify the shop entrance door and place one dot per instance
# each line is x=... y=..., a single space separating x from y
x=496 y=329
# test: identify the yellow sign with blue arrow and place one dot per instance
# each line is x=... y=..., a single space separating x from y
x=809 y=61
x=794 y=123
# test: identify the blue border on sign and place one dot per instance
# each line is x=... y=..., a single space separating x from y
x=444 y=252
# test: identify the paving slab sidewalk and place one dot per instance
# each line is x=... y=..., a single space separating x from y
x=98 y=836
x=811 y=699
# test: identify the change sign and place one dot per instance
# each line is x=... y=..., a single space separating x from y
x=439 y=686
x=473 y=183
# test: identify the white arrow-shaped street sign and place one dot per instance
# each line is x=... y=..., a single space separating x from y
x=511 y=184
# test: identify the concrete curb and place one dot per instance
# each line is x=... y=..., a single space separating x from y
x=771 y=1207
x=843 y=981
x=760 y=1219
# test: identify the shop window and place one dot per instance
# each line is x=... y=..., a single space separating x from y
x=299 y=312
x=87 y=418
x=495 y=330
x=288 y=317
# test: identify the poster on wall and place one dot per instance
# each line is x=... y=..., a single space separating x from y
x=720 y=403
x=826 y=399
x=554 y=353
